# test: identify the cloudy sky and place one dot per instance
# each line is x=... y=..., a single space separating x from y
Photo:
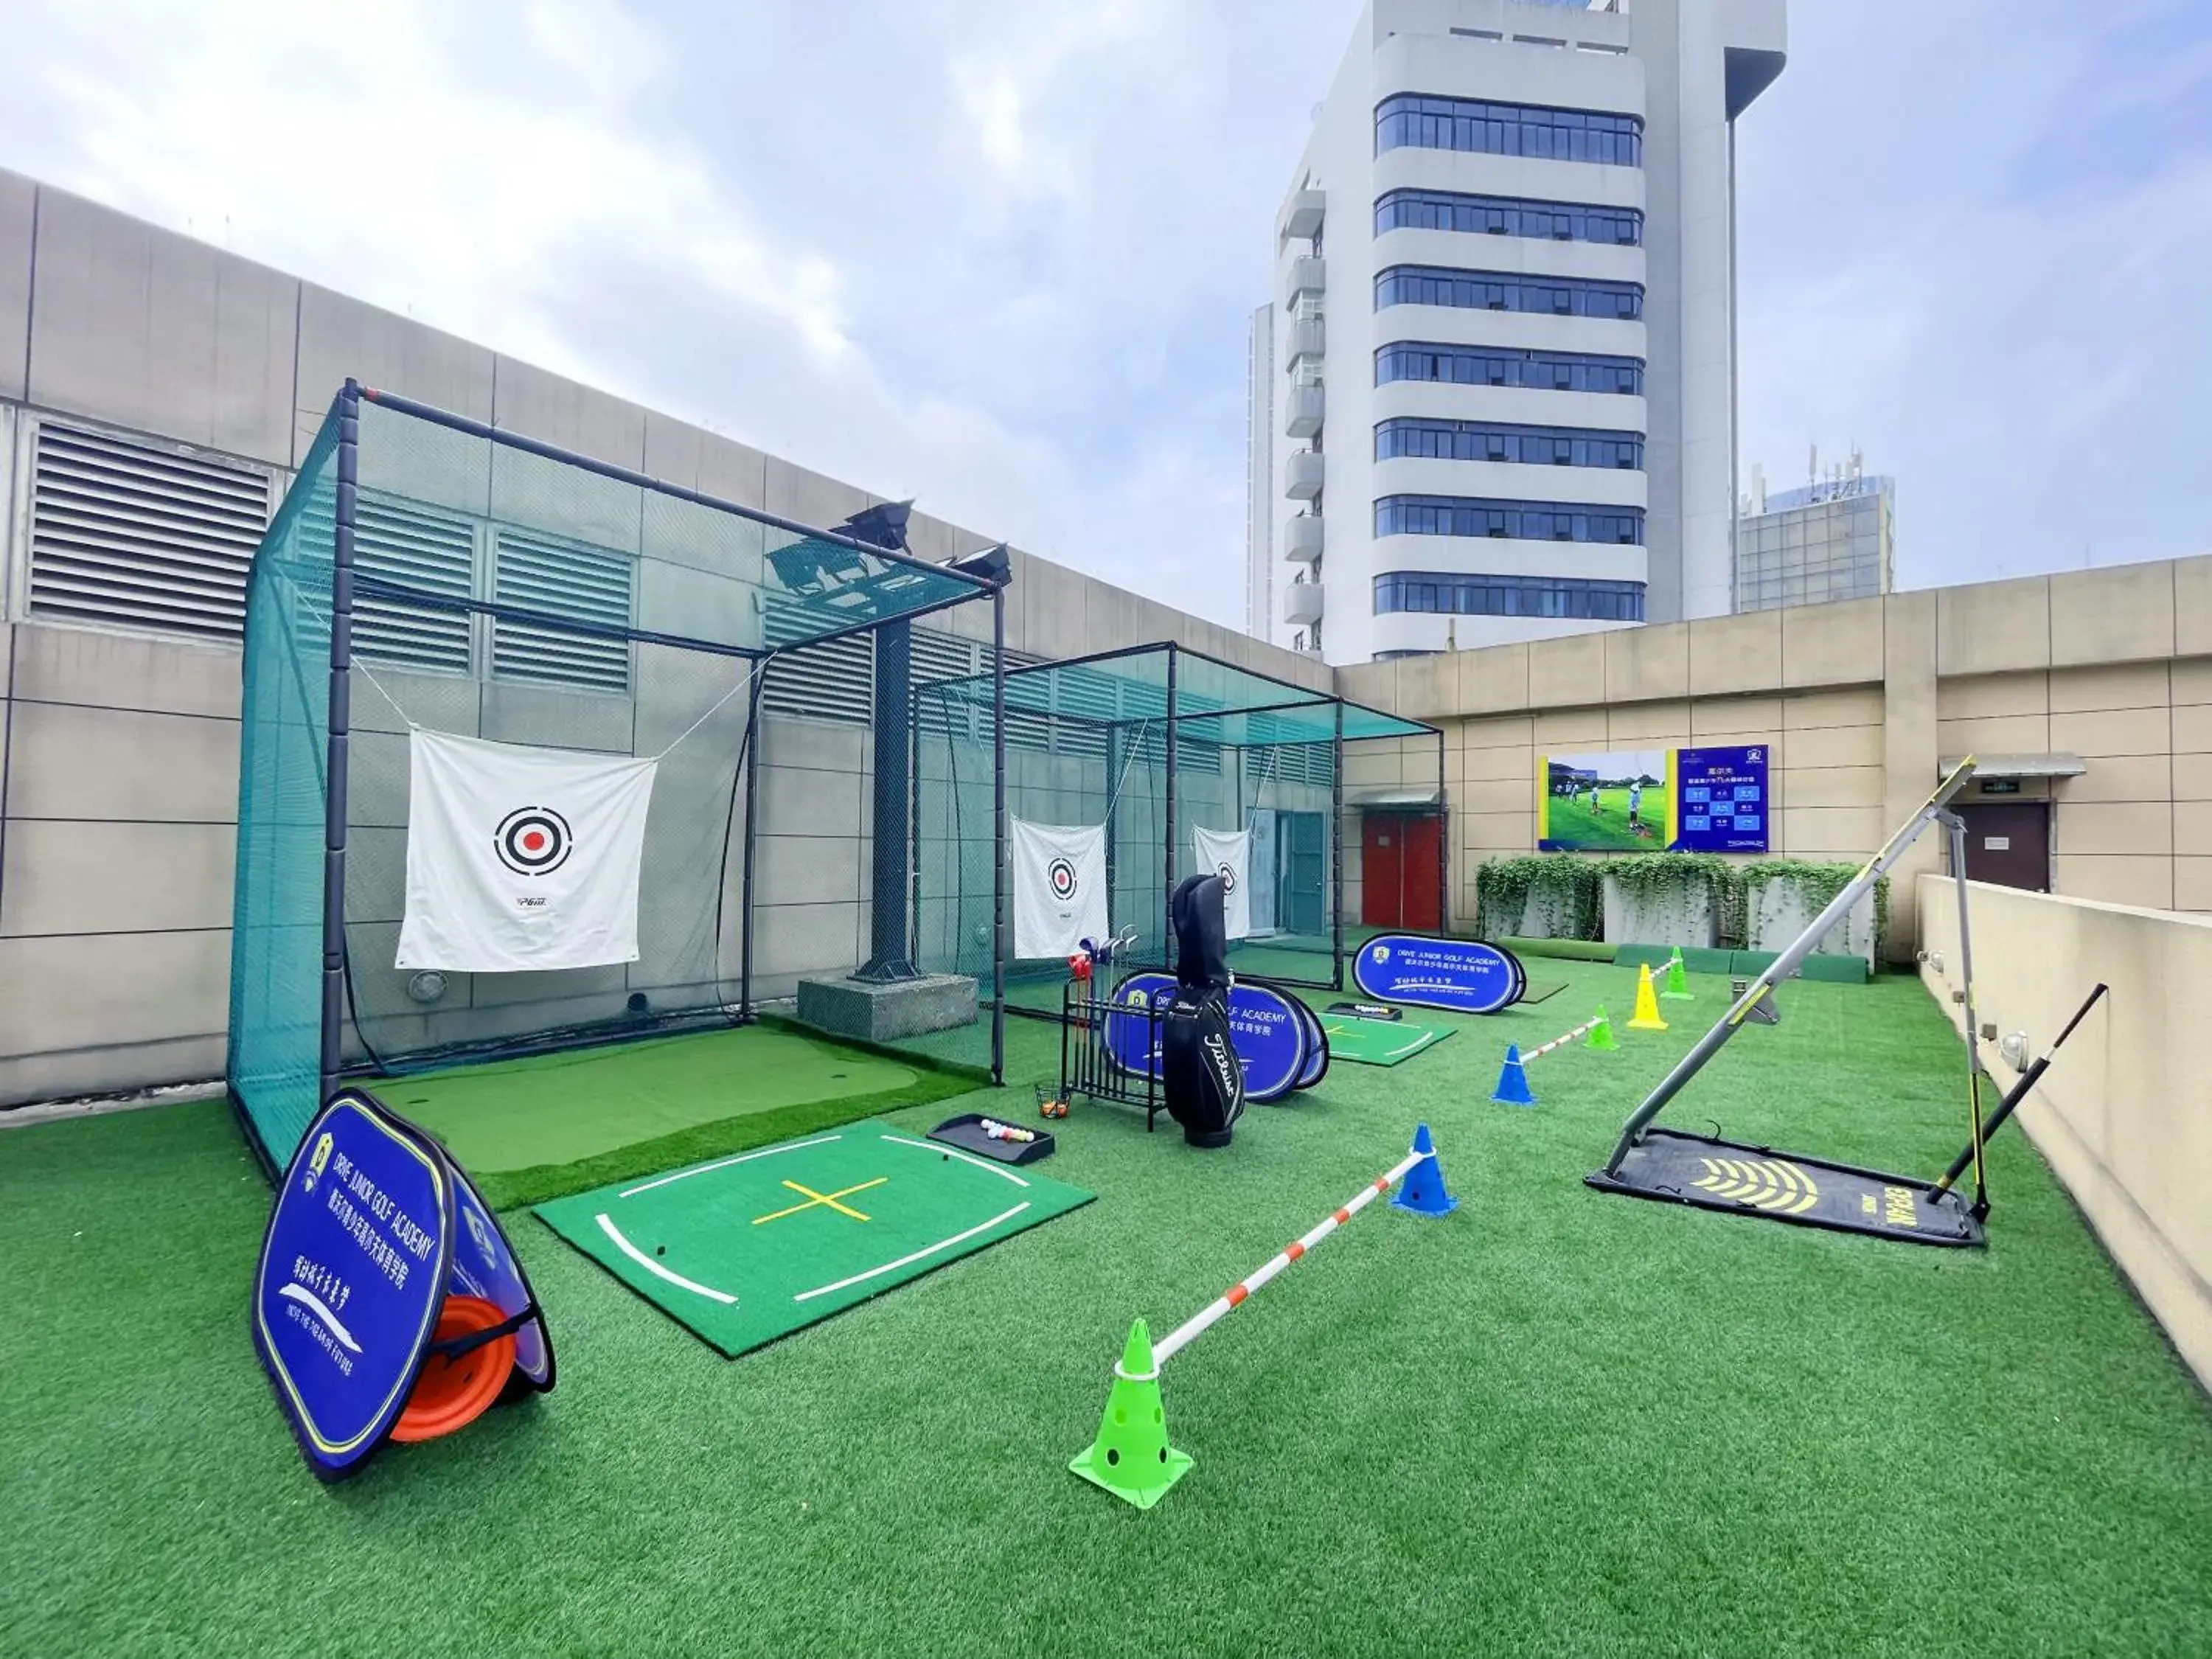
x=1002 y=257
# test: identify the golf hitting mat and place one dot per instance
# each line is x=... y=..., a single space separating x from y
x=742 y=1251
x=1811 y=1192
x=1378 y=1042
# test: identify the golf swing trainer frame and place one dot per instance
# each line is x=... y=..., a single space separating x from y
x=1712 y=1173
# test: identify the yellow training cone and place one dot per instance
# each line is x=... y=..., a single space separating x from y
x=1647 y=1004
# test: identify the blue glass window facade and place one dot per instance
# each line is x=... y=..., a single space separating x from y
x=1493 y=129
x=1498 y=441
x=1533 y=521
x=1551 y=371
x=1440 y=593
x=1497 y=290
x=1507 y=216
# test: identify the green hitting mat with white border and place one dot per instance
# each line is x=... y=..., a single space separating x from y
x=1378 y=1042
x=742 y=1251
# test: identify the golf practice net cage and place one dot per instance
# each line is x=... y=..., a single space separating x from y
x=428 y=574
x=1153 y=743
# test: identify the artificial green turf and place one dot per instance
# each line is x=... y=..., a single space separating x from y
x=563 y=1108
x=533 y=1129
x=743 y=1250
x=1553 y=1422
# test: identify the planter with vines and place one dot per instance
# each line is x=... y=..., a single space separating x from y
x=1782 y=895
x=1544 y=895
x=1666 y=898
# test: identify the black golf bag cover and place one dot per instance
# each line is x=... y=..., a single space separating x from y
x=1200 y=1073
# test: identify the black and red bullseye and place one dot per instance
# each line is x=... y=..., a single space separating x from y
x=533 y=840
x=1060 y=874
x=1228 y=874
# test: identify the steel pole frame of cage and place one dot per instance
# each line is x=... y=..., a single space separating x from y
x=999 y=928
x=1336 y=853
x=337 y=734
x=752 y=748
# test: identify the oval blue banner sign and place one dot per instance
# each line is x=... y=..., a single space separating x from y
x=484 y=1266
x=1270 y=1040
x=353 y=1272
x=1460 y=976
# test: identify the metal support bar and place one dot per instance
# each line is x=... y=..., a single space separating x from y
x=1336 y=857
x=338 y=727
x=752 y=748
x=1956 y=827
x=1168 y=817
x=1788 y=962
x=888 y=961
x=998 y=834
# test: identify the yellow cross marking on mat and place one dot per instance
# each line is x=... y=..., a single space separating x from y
x=814 y=1198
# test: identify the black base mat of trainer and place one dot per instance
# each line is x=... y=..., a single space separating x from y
x=1810 y=1191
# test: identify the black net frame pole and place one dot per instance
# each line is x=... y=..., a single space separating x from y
x=1168 y=850
x=337 y=736
x=752 y=747
x=1443 y=842
x=1788 y=962
x=1336 y=855
x=999 y=929
x=1114 y=762
x=892 y=781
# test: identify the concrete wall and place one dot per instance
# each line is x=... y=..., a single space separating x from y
x=119 y=749
x=1859 y=702
x=2121 y=1115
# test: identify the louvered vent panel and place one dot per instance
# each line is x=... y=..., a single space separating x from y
x=130 y=537
x=398 y=541
x=561 y=578
x=835 y=681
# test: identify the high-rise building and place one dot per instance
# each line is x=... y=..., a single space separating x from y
x=1833 y=538
x=1503 y=325
x=1259 y=497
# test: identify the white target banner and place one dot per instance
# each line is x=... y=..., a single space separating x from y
x=1059 y=887
x=520 y=860
x=1229 y=855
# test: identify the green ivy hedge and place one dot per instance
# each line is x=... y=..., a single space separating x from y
x=1573 y=889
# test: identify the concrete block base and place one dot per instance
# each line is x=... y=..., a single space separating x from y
x=882 y=1013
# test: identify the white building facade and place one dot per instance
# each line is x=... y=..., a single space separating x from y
x=1504 y=326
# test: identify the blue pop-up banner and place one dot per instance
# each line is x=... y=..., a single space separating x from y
x=1460 y=976
x=1270 y=1040
x=372 y=1227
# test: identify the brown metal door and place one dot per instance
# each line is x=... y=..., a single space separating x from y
x=2009 y=843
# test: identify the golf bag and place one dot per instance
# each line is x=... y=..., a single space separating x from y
x=1200 y=1075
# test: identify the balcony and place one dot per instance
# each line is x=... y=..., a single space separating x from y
x=1302 y=539
x=1305 y=408
x=1308 y=342
x=1302 y=474
x=1309 y=278
x=1301 y=213
x=1301 y=603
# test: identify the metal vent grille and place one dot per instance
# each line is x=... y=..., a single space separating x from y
x=130 y=537
x=560 y=578
x=398 y=541
x=833 y=681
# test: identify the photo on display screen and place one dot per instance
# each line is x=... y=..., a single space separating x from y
x=1612 y=802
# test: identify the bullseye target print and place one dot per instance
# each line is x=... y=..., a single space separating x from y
x=533 y=840
x=1060 y=874
x=1228 y=874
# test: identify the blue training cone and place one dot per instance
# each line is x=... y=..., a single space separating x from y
x=1512 y=1088
x=1422 y=1191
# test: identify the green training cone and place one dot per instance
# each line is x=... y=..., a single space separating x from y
x=1131 y=1457
x=1600 y=1037
x=1677 y=978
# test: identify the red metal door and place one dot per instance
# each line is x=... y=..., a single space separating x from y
x=1421 y=911
x=1381 y=870
x=1401 y=872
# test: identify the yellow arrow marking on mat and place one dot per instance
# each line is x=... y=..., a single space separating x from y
x=1770 y=1183
x=814 y=1198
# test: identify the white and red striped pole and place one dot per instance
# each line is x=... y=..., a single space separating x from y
x=1561 y=1041
x=1217 y=1310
